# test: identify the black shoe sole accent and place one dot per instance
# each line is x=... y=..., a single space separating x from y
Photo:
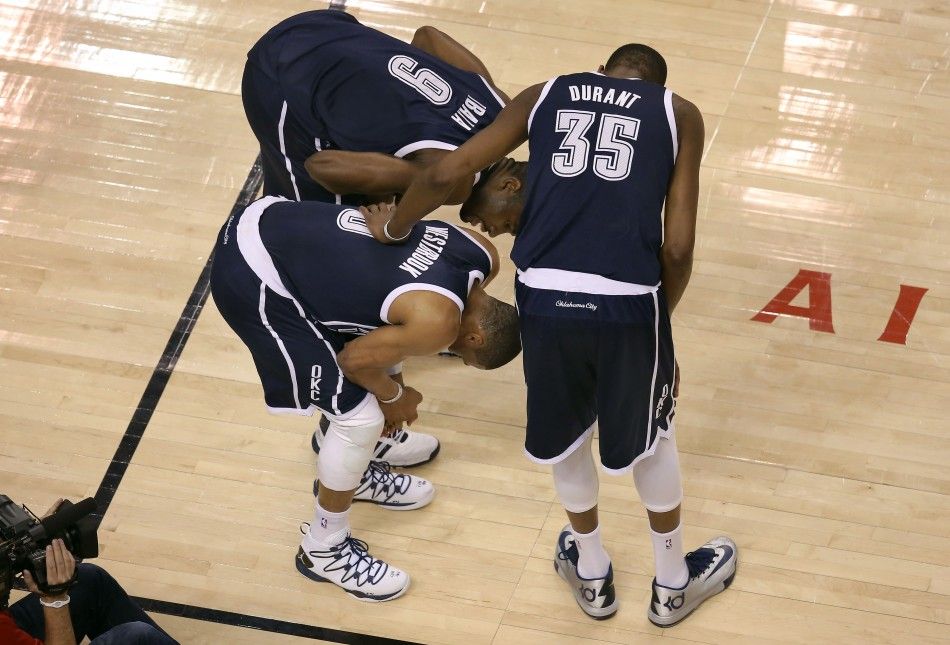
x=725 y=585
x=611 y=615
x=728 y=581
x=356 y=594
x=316 y=448
x=388 y=507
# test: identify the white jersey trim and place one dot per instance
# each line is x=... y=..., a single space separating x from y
x=252 y=247
x=668 y=102
x=369 y=399
x=578 y=282
x=626 y=78
x=288 y=412
x=491 y=89
x=656 y=365
x=423 y=145
x=474 y=276
x=335 y=399
x=261 y=307
x=567 y=453
x=283 y=149
x=491 y=265
x=541 y=97
x=416 y=286
x=341 y=323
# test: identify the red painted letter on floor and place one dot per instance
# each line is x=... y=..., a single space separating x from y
x=908 y=300
x=818 y=311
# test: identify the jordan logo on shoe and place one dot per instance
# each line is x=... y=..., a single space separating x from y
x=675 y=602
x=304 y=560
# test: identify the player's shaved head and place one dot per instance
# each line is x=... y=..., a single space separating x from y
x=644 y=60
x=489 y=334
x=499 y=322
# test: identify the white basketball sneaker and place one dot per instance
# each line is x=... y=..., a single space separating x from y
x=595 y=596
x=349 y=566
x=711 y=570
x=391 y=490
x=403 y=449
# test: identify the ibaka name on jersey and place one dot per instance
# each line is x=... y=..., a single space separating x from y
x=468 y=115
x=427 y=252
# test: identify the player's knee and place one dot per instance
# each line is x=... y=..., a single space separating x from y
x=576 y=481
x=658 y=479
x=349 y=445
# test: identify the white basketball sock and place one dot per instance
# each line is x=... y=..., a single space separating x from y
x=671 y=568
x=329 y=529
x=592 y=560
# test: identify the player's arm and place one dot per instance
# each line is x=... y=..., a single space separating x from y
x=373 y=174
x=423 y=323
x=682 y=199
x=431 y=188
x=361 y=173
x=445 y=48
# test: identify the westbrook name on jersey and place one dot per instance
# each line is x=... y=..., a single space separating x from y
x=313 y=245
x=602 y=151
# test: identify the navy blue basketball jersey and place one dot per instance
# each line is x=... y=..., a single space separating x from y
x=601 y=155
x=329 y=262
x=366 y=91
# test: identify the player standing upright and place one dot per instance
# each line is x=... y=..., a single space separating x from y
x=599 y=271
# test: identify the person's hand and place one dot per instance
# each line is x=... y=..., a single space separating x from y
x=60 y=568
x=376 y=217
x=371 y=200
x=391 y=429
x=676 y=380
x=403 y=410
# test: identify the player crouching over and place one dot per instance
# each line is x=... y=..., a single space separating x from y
x=326 y=312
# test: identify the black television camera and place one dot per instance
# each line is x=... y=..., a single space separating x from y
x=24 y=538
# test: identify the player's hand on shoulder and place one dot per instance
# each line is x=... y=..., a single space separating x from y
x=403 y=410
x=377 y=216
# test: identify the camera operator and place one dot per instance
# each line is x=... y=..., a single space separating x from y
x=95 y=606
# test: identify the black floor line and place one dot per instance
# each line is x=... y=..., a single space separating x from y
x=133 y=435
x=166 y=364
x=263 y=624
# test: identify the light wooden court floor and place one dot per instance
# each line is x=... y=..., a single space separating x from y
x=826 y=455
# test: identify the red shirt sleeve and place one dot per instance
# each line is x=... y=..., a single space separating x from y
x=10 y=634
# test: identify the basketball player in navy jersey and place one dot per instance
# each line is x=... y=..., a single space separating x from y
x=599 y=271
x=325 y=312
x=384 y=109
x=320 y=80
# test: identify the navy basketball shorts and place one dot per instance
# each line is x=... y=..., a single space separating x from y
x=295 y=356
x=285 y=143
x=590 y=358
